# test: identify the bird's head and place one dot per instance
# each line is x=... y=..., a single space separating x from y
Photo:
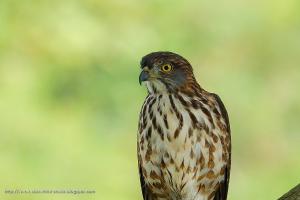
x=166 y=72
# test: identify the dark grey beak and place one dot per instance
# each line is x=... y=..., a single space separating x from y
x=144 y=76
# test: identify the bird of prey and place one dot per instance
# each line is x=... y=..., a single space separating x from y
x=184 y=143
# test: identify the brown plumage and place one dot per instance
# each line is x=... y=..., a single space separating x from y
x=184 y=145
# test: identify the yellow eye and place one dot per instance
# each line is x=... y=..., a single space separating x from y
x=166 y=68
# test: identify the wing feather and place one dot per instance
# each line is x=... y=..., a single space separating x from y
x=145 y=190
x=221 y=193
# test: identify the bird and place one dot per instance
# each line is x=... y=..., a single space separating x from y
x=184 y=139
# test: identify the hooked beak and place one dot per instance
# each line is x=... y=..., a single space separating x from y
x=144 y=76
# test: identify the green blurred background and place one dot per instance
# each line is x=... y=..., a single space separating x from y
x=70 y=98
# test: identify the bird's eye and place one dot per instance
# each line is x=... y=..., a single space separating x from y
x=166 y=68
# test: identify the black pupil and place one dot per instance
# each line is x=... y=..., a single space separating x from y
x=166 y=67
